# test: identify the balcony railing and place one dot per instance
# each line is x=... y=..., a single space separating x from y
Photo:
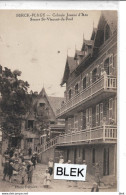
x=102 y=133
x=104 y=83
x=49 y=144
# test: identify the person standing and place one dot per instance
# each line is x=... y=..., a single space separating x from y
x=97 y=173
x=30 y=171
x=6 y=169
x=10 y=171
x=29 y=151
x=61 y=160
x=33 y=160
x=95 y=188
x=50 y=166
x=47 y=179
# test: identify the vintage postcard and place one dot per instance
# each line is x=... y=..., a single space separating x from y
x=58 y=100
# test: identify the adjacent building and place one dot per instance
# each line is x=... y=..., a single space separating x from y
x=90 y=107
x=40 y=125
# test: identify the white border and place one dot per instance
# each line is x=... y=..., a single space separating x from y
x=60 y=5
x=80 y=5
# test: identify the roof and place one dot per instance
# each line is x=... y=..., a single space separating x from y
x=111 y=19
x=71 y=63
x=87 y=42
x=55 y=102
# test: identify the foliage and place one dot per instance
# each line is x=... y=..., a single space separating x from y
x=15 y=100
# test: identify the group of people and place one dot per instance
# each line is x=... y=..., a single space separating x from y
x=16 y=168
x=49 y=172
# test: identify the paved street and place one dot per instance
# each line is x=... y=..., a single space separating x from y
x=56 y=185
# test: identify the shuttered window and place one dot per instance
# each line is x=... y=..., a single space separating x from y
x=97 y=115
x=84 y=83
x=90 y=117
x=101 y=113
x=110 y=109
x=75 y=123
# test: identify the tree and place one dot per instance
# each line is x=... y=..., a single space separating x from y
x=15 y=101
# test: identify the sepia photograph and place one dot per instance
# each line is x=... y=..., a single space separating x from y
x=58 y=99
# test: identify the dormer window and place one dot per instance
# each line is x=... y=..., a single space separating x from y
x=107 y=32
x=41 y=104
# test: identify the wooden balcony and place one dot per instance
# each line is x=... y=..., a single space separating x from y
x=104 y=87
x=101 y=134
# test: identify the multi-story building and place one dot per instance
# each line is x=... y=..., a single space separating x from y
x=40 y=125
x=91 y=100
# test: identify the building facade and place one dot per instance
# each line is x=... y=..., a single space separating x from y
x=40 y=124
x=90 y=108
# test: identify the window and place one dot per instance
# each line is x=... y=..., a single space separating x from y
x=41 y=104
x=93 y=155
x=97 y=115
x=29 y=140
x=106 y=66
x=70 y=93
x=84 y=83
x=88 y=117
x=112 y=110
x=101 y=113
x=94 y=75
x=69 y=124
x=30 y=124
x=76 y=89
x=76 y=123
x=107 y=32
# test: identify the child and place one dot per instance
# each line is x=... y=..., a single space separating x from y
x=61 y=160
x=6 y=168
x=23 y=173
x=47 y=179
x=10 y=171
x=30 y=171
x=97 y=173
x=50 y=166
x=95 y=188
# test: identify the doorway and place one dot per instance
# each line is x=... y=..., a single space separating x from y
x=106 y=162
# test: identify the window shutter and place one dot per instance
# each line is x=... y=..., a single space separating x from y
x=97 y=115
x=87 y=80
x=98 y=71
x=111 y=71
x=90 y=116
x=87 y=118
x=110 y=109
x=101 y=113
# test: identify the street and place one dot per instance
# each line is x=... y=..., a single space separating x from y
x=56 y=185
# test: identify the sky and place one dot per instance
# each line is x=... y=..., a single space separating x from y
x=39 y=48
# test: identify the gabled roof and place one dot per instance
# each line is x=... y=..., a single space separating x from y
x=93 y=33
x=55 y=102
x=110 y=17
x=69 y=68
x=87 y=42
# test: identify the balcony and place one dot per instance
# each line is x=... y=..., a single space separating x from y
x=101 y=134
x=106 y=85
